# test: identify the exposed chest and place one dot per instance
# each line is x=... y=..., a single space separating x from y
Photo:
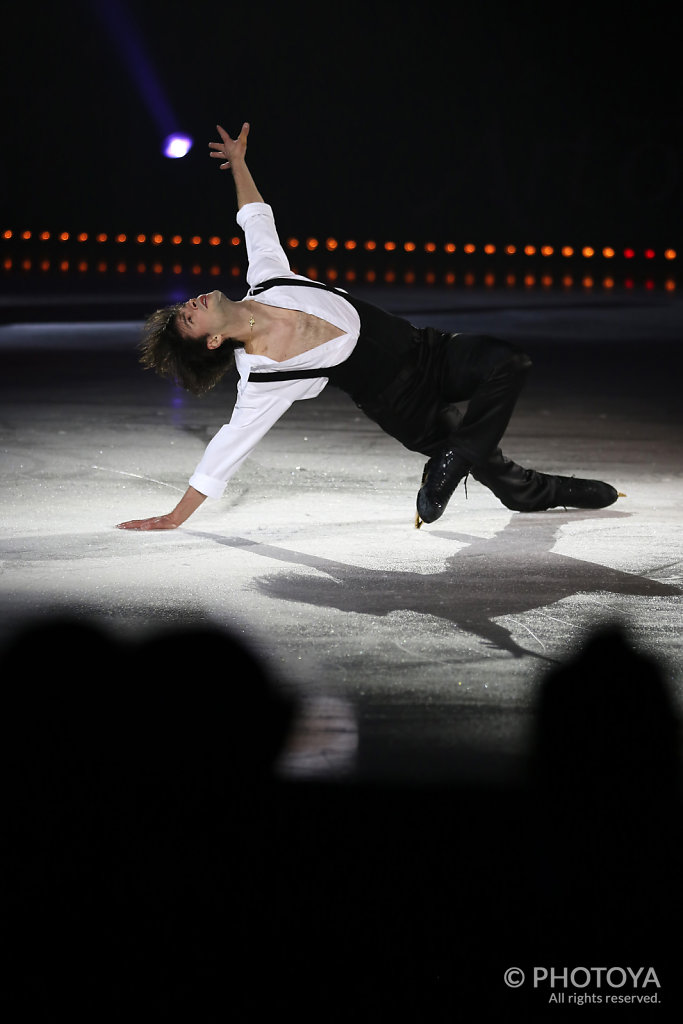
x=289 y=332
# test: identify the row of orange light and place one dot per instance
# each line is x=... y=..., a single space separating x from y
x=102 y=237
x=332 y=245
x=469 y=279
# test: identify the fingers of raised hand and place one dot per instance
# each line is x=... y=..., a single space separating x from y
x=229 y=147
x=219 y=153
x=221 y=156
x=227 y=141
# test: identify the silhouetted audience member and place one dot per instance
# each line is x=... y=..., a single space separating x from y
x=139 y=810
x=605 y=826
x=607 y=730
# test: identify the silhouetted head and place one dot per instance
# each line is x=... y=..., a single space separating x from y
x=606 y=726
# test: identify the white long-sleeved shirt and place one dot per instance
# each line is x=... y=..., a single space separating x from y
x=260 y=404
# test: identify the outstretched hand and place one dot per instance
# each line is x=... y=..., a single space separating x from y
x=155 y=523
x=189 y=503
x=229 y=149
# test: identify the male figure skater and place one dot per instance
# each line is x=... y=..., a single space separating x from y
x=290 y=336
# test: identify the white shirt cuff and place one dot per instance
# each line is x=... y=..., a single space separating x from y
x=251 y=210
x=208 y=485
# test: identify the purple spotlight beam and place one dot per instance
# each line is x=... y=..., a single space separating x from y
x=123 y=32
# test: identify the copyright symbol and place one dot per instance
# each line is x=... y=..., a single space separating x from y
x=514 y=977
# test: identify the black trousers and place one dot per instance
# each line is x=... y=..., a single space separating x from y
x=489 y=374
x=420 y=409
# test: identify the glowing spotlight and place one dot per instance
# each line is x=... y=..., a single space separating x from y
x=176 y=145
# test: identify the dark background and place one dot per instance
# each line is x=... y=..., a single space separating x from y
x=482 y=122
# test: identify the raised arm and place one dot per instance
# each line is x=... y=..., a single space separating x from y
x=233 y=152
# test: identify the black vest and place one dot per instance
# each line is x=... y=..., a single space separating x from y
x=392 y=374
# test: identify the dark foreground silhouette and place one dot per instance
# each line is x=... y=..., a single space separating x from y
x=159 y=869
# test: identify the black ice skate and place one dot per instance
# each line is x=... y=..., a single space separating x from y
x=441 y=476
x=572 y=492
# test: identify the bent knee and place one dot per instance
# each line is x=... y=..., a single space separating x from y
x=511 y=367
x=506 y=357
x=519 y=361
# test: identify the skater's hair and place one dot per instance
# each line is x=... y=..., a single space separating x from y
x=181 y=358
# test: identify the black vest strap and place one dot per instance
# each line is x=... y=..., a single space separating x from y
x=293 y=281
x=263 y=378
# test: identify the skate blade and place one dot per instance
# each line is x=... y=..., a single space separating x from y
x=620 y=494
x=418 y=521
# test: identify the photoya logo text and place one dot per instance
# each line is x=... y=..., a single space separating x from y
x=596 y=977
x=584 y=977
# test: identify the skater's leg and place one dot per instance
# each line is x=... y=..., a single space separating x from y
x=527 y=490
x=489 y=374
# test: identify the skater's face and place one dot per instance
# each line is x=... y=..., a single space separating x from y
x=202 y=316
